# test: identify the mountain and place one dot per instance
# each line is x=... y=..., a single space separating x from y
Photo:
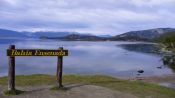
x=143 y=35
x=105 y=36
x=51 y=34
x=15 y=34
x=11 y=34
x=79 y=37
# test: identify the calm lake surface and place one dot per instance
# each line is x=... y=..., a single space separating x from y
x=105 y=58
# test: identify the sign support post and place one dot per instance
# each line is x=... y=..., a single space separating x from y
x=11 y=71
x=60 y=69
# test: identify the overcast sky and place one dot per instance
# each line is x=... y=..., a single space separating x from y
x=86 y=16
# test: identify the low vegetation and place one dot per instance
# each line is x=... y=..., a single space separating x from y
x=167 y=39
x=137 y=88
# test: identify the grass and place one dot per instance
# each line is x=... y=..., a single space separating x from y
x=13 y=92
x=56 y=88
x=171 y=49
x=137 y=88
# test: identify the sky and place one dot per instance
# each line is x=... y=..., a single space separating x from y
x=87 y=16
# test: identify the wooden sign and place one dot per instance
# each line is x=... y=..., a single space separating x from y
x=12 y=52
x=36 y=52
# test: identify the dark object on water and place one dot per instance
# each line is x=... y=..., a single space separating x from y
x=159 y=67
x=140 y=71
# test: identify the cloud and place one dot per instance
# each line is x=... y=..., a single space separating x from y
x=152 y=2
x=86 y=16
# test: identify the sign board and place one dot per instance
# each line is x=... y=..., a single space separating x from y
x=12 y=52
x=36 y=52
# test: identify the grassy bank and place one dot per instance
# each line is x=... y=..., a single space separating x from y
x=137 y=88
x=171 y=49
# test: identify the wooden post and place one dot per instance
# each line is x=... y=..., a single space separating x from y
x=60 y=69
x=11 y=72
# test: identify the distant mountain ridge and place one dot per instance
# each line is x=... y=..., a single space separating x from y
x=79 y=37
x=15 y=34
x=141 y=35
x=51 y=34
x=144 y=34
x=10 y=33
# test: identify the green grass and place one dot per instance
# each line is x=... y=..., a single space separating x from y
x=56 y=88
x=13 y=92
x=137 y=88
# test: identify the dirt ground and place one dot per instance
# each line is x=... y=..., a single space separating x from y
x=74 y=91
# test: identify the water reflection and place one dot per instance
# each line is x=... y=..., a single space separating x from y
x=8 y=41
x=143 y=48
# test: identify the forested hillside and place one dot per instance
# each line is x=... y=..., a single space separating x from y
x=168 y=39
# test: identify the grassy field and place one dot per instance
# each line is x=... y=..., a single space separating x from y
x=137 y=88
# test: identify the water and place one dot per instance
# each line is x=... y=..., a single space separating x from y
x=104 y=58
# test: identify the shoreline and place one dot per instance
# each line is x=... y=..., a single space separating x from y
x=166 y=80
